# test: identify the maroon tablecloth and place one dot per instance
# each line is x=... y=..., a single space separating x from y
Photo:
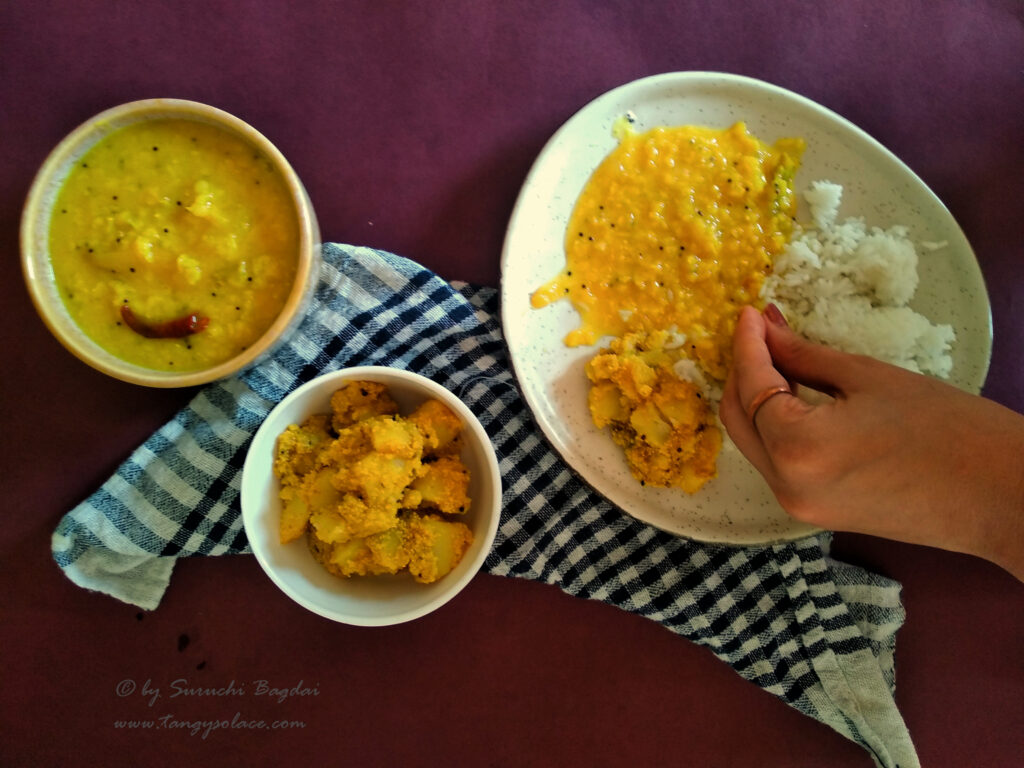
x=413 y=126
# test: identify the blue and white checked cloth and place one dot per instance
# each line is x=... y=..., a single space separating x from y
x=816 y=633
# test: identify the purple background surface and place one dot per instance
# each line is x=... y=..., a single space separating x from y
x=413 y=126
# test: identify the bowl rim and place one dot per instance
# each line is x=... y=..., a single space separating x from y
x=249 y=494
x=34 y=234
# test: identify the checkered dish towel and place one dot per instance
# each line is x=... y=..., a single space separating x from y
x=816 y=633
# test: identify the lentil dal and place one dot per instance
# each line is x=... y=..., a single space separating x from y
x=174 y=244
x=676 y=230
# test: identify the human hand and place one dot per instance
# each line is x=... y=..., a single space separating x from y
x=894 y=454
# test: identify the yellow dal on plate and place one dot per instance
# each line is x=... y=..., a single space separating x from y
x=676 y=230
x=672 y=236
x=174 y=217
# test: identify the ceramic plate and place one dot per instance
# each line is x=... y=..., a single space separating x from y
x=737 y=506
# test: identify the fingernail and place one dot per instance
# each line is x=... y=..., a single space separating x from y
x=774 y=316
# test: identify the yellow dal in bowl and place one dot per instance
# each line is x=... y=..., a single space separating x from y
x=171 y=218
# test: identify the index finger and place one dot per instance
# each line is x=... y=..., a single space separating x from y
x=752 y=373
x=752 y=364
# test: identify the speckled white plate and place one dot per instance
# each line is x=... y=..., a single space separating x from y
x=737 y=506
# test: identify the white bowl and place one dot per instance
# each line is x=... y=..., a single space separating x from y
x=35 y=242
x=368 y=600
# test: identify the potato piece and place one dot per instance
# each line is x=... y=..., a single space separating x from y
x=294 y=515
x=300 y=496
x=327 y=525
x=385 y=552
x=679 y=402
x=351 y=558
x=411 y=499
x=352 y=518
x=648 y=425
x=360 y=400
x=396 y=438
x=435 y=546
x=704 y=465
x=606 y=404
x=381 y=474
x=320 y=549
x=444 y=486
x=440 y=427
x=318 y=489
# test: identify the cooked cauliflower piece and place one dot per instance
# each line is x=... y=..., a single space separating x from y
x=358 y=400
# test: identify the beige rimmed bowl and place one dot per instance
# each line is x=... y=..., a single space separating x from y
x=35 y=233
x=364 y=600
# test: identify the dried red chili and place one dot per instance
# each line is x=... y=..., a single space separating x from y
x=178 y=328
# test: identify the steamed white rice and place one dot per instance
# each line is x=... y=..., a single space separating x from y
x=848 y=286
